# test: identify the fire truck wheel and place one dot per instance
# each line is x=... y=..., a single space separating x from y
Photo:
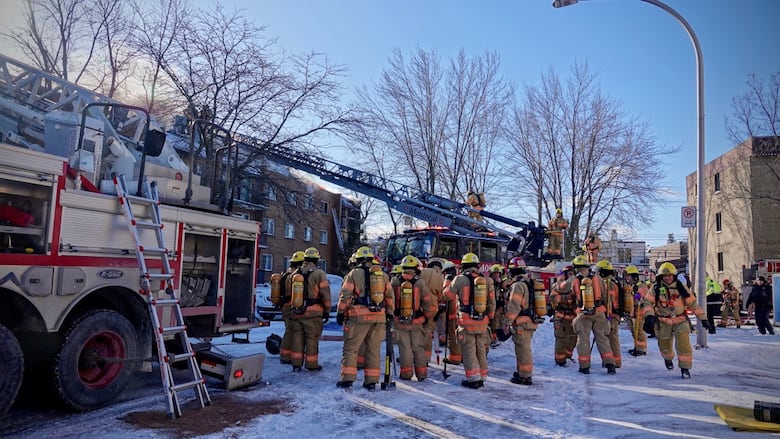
x=12 y=359
x=89 y=370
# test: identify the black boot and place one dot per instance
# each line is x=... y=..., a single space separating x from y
x=296 y=368
x=344 y=384
x=561 y=363
x=471 y=384
x=610 y=369
x=585 y=370
x=517 y=379
x=314 y=369
x=370 y=387
x=669 y=364
x=686 y=374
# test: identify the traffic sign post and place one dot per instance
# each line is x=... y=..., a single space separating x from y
x=688 y=217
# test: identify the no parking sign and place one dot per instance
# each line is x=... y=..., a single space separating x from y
x=688 y=216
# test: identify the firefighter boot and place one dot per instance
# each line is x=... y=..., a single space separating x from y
x=471 y=384
x=517 y=379
x=611 y=369
x=669 y=364
x=344 y=384
x=585 y=370
x=369 y=386
x=686 y=374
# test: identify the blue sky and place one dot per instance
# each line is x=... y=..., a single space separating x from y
x=642 y=54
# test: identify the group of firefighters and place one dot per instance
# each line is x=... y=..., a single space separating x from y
x=472 y=312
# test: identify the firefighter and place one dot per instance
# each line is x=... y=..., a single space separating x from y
x=450 y=320
x=555 y=229
x=476 y=305
x=414 y=308
x=477 y=202
x=365 y=305
x=497 y=322
x=592 y=246
x=635 y=316
x=731 y=302
x=591 y=318
x=285 y=284
x=714 y=300
x=665 y=314
x=522 y=323
x=310 y=310
x=434 y=279
x=563 y=303
x=610 y=291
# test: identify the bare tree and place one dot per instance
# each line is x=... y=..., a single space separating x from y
x=755 y=123
x=58 y=36
x=573 y=147
x=116 y=25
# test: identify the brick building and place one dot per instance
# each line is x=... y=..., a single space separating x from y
x=742 y=207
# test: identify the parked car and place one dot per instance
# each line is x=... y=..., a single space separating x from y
x=266 y=310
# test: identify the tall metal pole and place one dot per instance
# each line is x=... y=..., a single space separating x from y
x=700 y=261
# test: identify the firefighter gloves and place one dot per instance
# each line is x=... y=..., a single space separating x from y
x=340 y=318
x=325 y=317
x=707 y=326
x=649 y=326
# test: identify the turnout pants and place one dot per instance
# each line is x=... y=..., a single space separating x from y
x=306 y=342
x=474 y=349
x=673 y=337
x=729 y=311
x=637 y=333
x=412 y=346
x=525 y=361
x=370 y=337
x=456 y=355
x=565 y=339
x=614 y=339
x=285 y=351
x=597 y=324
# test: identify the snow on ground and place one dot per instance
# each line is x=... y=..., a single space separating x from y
x=643 y=400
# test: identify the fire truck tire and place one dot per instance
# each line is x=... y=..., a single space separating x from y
x=83 y=379
x=12 y=359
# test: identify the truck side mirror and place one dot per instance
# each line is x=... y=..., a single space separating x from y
x=154 y=142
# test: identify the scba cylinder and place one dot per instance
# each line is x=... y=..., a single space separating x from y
x=297 y=291
x=588 y=301
x=628 y=299
x=540 y=299
x=376 y=286
x=276 y=288
x=480 y=296
x=406 y=300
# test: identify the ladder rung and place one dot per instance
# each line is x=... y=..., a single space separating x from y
x=159 y=276
x=188 y=385
x=137 y=199
x=173 y=358
x=159 y=250
x=165 y=302
x=173 y=330
x=147 y=225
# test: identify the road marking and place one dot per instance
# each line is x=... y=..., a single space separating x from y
x=409 y=420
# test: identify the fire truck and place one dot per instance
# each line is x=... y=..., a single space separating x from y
x=71 y=313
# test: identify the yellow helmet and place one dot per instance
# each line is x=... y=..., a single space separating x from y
x=469 y=258
x=297 y=257
x=364 y=252
x=580 y=261
x=409 y=262
x=559 y=211
x=496 y=268
x=631 y=269
x=376 y=261
x=604 y=265
x=667 y=268
x=396 y=269
x=311 y=253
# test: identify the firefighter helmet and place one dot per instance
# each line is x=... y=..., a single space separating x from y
x=396 y=269
x=726 y=282
x=311 y=253
x=566 y=268
x=631 y=269
x=376 y=261
x=410 y=262
x=273 y=344
x=580 y=261
x=448 y=266
x=297 y=257
x=559 y=211
x=604 y=265
x=496 y=268
x=667 y=268
x=435 y=261
x=517 y=262
x=364 y=253
x=469 y=258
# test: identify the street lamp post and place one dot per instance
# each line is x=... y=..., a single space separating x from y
x=701 y=334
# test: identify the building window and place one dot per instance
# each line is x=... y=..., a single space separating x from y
x=269 y=228
x=308 y=202
x=289 y=230
x=717 y=182
x=323 y=237
x=720 y=262
x=324 y=207
x=267 y=263
x=718 y=222
x=270 y=193
x=307 y=234
x=323 y=265
x=286 y=262
x=291 y=199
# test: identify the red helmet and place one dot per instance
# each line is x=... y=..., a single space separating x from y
x=726 y=281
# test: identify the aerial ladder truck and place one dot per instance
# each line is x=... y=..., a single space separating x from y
x=89 y=289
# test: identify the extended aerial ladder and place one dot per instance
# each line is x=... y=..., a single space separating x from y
x=434 y=209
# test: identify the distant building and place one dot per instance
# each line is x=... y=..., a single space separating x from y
x=622 y=253
x=674 y=252
x=742 y=207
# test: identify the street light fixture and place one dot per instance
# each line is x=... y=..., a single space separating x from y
x=701 y=334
